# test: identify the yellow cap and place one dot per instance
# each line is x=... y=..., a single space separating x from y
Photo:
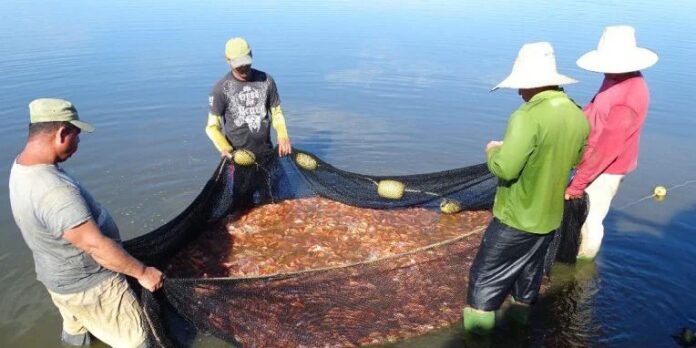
x=237 y=50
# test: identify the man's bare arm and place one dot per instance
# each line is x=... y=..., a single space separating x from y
x=88 y=238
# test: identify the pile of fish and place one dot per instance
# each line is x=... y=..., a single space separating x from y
x=397 y=283
x=313 y=233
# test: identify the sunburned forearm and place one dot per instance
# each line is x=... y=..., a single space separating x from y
x=111 y=255
x=106 y=252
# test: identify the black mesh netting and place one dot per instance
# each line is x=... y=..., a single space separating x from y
x=566 y=243
x=374 y=300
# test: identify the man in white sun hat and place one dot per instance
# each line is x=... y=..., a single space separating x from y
x=544 y=140
x=616 y=115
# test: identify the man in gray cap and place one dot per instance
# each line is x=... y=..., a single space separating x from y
x=74 y=241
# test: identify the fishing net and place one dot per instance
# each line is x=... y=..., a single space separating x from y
x=566 y=242
x=302 y=254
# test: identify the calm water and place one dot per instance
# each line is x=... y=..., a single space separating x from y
x=375 y=87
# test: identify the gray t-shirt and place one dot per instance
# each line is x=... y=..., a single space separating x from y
x=244 y=107
x=46 y=201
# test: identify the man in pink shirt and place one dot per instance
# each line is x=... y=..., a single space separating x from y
x=616 y=115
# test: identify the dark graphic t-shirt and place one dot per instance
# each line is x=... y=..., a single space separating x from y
x=245 y=107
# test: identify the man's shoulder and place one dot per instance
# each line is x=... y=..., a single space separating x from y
x=260 y=76
x=632 y=90
x=38 y=190
x=559 y=100
x=528 y=108
x=222 y=80
x=634 y=93
x=37 y=175
x=635 y=82
x=37 y=181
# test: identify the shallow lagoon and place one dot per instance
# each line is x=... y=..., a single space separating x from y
x=376 y=87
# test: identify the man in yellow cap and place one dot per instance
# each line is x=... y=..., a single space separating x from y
x=238 y=117
x=74 y=241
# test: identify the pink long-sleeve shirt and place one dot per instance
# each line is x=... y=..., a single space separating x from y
x=616 y=115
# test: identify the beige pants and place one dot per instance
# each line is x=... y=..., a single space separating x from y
x=600 y=193
x=108 y=310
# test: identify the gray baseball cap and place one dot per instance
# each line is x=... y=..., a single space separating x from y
x=55 y=110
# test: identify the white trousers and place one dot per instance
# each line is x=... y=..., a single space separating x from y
x=600 y=193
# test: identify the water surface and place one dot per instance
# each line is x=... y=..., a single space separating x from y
x=374 y=87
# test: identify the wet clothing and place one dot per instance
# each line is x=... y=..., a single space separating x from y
x=616 y=115
x=599 y=196
x=251 y=184
x=46 y=201
x=241 y=110
x=544 y=140
x=245 y=107
x=108 y=310
x=508 y=261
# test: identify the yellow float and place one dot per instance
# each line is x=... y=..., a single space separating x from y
x=660 y=191
x=244 y=157
x=390 y=189
x=306 y=161
x=450 y=206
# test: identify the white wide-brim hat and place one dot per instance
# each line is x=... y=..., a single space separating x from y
x=534 y=67
x=617 y=52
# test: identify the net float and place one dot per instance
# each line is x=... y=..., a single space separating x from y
x=306 y=161
x=244 y=157
x=450 y=206
x=390 y=189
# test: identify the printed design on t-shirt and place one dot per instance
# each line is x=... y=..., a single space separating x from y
x=247 y=106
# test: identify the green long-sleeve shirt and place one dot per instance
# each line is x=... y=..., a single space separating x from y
x=544 y=140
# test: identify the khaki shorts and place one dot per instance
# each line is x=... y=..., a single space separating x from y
x=108 y=310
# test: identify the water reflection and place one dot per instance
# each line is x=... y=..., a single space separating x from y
x=565 y=314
